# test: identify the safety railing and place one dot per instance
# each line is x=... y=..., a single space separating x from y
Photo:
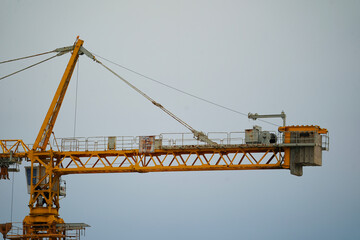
x=187 y=139
x=129 y=142
x=65 y=231
x=325 y=142
x=99 y=143
x=303 y=138
x=172 y=140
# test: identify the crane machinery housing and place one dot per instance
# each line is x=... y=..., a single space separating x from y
x=291 y=148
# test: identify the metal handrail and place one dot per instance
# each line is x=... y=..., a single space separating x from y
x=177 y=140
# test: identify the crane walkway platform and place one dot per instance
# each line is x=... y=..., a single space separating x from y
x=178 y=141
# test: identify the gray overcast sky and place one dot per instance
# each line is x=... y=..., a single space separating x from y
x=302 y=57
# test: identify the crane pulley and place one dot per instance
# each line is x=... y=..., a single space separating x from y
x=293 y=148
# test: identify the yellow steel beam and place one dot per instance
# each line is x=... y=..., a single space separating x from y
x=17 y=146
x=206 y=159
x=49 y=121
x=306 y=128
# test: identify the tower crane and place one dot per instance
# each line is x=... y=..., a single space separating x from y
x=292 y=148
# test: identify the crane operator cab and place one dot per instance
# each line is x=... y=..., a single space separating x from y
x=38 y=173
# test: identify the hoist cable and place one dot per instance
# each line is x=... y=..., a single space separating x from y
x=12 y=197
x=181 y=91
x=35 y=55
x=33 y=65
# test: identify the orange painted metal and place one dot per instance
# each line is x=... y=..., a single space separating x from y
x=49 y=121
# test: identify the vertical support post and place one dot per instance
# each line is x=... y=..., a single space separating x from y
x=46 y=217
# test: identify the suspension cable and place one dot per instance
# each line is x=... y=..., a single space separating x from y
x=197 y=134
x=60 y=51
x=28 y=67
x=35 y=55
x=148 y=98
x=182 y=91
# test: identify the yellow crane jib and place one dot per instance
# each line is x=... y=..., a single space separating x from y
x=12 y=152
x=291 y=148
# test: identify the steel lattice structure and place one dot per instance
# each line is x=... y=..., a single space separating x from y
x=299 y=146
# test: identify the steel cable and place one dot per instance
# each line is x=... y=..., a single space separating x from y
x=12 y=197
x=149 y=98
x=35 y=55
x=197 y=134
x=33 y=65
x=181 y=91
